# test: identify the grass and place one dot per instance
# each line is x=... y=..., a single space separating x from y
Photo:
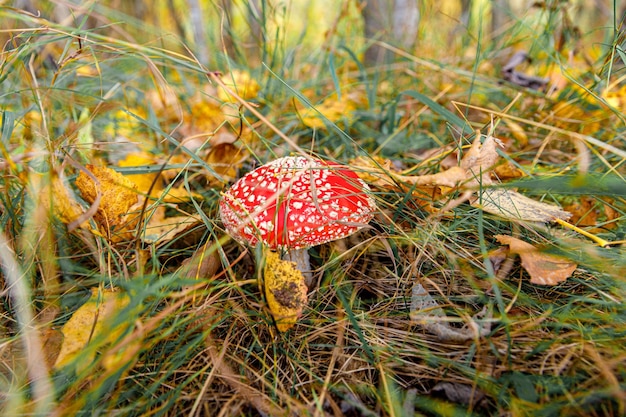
x=195 y=337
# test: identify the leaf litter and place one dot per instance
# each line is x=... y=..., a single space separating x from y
x=473 y=176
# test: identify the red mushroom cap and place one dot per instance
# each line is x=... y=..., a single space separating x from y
x=296 y=202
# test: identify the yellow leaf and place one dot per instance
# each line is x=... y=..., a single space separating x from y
x=285 y=290
x=333 y=109
x=118 y=194
x=143 y=181
x=93 y=321
x=59 y=199
x=517 y=131
x=163 y=229
x=543 y=268
x=241 y=83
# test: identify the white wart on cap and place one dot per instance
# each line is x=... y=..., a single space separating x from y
x=296 y=202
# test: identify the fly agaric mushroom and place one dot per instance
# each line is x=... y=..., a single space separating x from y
x=295 y=202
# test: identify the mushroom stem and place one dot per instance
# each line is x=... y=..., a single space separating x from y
x=303 y=263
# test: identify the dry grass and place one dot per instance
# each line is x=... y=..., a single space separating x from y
x=197 y=338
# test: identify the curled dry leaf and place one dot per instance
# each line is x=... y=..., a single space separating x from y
x=118 y=194
x=513 y=205
x=474 y=170
x=543 y=268
x=93 y=321
x=426 y=312
x=285 y=290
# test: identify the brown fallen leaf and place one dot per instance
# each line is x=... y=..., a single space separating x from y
x=204 y=263
x=285 y=290
x=474 y=169
x=458 y=393
x=543 y=268
x=510 y=73
x=225 y=159
x=507 y=171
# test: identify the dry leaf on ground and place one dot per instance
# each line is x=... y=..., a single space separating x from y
x=513 y=205
x=240 y=82
x=159 y=228
x=474 y=169
x=225 y=159
x=149 y=182
x=285 y=290
x=62 y=202
x=163 y=229
x=93 y=321
x=589 y=211
x=118 y=194
x=426 y=312
x=333 y=109
x=543 y=268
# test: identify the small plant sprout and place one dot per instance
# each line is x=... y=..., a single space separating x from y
x=294 y=203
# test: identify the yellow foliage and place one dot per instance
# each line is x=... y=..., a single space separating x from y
x=333 y=109
x=124 y=124
x=143 y=181
x=57 y=197
x=93 y=321
x=117 y=195
x=285 y=290
x=241 y=83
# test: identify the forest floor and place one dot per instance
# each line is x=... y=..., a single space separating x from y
x=490 y=280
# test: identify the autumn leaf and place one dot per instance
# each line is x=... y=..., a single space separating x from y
x=146 y=183
x=58 y=198
x=425 y=311
x=117 y=195
x=543 y=268
x=225 y=159
x=473 y=171
x=163 y=229
x=240 y=82
x=93 y=321
x=285 y=290
x=333 y=109
x=513 y=205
